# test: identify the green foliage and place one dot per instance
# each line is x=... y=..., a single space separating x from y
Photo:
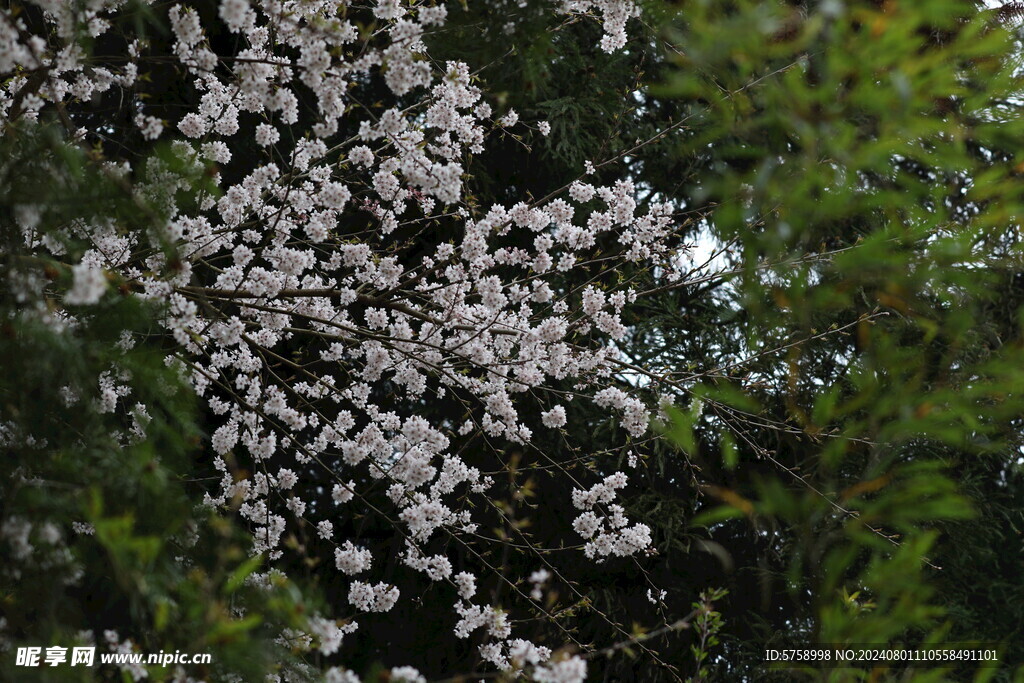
x=706 y=625
x=863 y=161
x=155 y=568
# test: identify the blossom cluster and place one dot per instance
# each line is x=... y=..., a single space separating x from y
x=303 y=250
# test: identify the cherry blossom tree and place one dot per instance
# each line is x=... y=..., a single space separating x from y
x=341 y=279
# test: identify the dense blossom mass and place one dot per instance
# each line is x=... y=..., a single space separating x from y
x=303 y=245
